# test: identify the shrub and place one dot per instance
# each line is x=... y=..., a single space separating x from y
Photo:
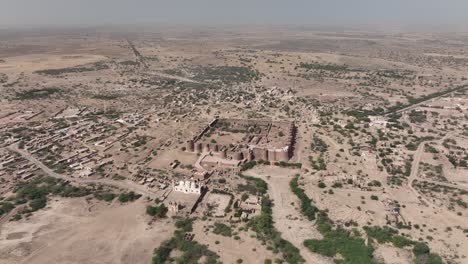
x=307 y=208
x=337 y=185
x=263 y=225
x=158 y=211
x=375 y=183
x=38 y=203
x=37 y=93
x=401 y=241
x=5 y=208
x=104 y=196
x=381 y=234
x=428 y=259
x=352 y=249
x=222 y=229
x=184 y=224
x=128 y=197
x=420 y=248
x=191 y=251
x=248 y=165
x=260 y=185
x=36 y=191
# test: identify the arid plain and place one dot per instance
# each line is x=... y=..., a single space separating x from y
x=279 y=145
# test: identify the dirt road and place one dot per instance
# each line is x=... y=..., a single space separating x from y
x=123 y=184
x=287 y=218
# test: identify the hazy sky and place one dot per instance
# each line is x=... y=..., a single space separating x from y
x=432 y=14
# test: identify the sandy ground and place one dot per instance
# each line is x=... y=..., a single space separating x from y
x=46 y=61
x=393 y=255
x=72 y=231
x=286 y=215
x=248 y=248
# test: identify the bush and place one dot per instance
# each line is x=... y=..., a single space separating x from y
x=420 y=248
x=322 y=185
x=307 y=208
x=128 y=197
x=318 y=145
x=337 y=185
x=38 y=203
x=36 y=191
x=222 y=181
x=158 y=211
x=5 y=207
x=161 y=254
x=104 y=196
x=222 y=229
x=428 y=259
x=401 y=241
x=288 y=165
x=191 y=251
x=37 y=93
x=248 y=165
x=381 y=234
x=322 y=247
x=375 y=183
x=352 y=249
x=184 y=224
x=260 y=185
x=263 y=225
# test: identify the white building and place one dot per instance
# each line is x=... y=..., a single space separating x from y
x=188 y=187
x=86 y=172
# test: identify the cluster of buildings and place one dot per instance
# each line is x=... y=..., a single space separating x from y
x=80 y=147
x=14 y=168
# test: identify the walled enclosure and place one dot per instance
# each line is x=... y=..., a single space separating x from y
x=243 y=139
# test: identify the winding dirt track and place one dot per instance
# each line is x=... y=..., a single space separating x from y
x=414 y=176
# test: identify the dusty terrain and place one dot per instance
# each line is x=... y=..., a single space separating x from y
x=75 y=231
x=382 y=139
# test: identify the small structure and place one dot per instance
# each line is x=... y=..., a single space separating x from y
x=187 y=187
x=174 y=207
x=86 y=172
x=252 y=200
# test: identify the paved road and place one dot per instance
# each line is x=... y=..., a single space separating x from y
x=123 y=184
x=461 y=88
x=141 y=60
x=174 y=77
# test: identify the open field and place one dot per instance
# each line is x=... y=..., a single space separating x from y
x=112 y=234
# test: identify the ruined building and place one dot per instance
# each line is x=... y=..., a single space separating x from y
x=263 y=140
